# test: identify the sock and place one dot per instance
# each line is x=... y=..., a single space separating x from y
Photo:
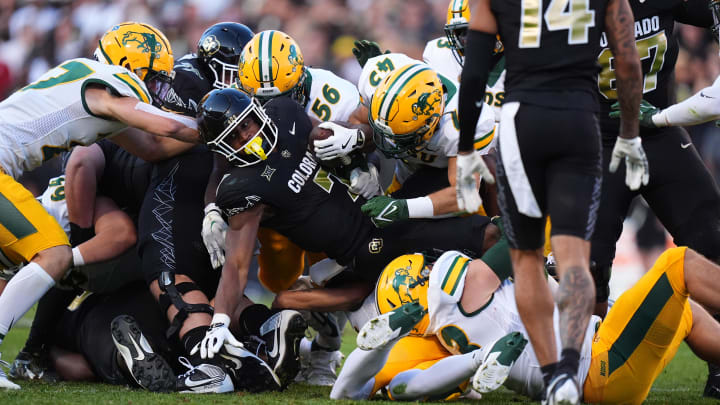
x=547 y=372
x=24 y=290
x=442 y=378
x=334 y=341
x=498 y=259
x=357 y=376
x=569 y=362
x=48 y=314
x=192 y=338
x=252 y=317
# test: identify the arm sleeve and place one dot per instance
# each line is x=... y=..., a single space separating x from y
x=478 y=59
x=694 y=12
x=701 y=107
x=232 y=195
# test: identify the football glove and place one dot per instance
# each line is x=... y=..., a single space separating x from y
x=216 y=337
x=341 y=143
x=466 y=188
x=647 y=111
x=213 y=233
x=365 y=50
x=384 y=210
x=365 y=182
x=636 y=163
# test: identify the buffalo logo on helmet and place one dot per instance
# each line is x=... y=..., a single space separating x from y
x=403 y=282
x=293 y=56
x=425 y=103
x=146 y=42
x=210 y=45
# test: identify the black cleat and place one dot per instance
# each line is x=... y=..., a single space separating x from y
x=282 y=334
x=32 y=366
x=712 y=386
x=149 y=370
x=203 y=378
x=248 y=371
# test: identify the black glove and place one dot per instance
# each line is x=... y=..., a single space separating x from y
x=365 y=50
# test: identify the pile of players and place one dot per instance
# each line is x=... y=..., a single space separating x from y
x=182 y=174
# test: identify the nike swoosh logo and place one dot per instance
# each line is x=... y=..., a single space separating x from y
x=685 y=145
x=706 y=96
x=191 y=383
x=238 y=363
x=346 y=143
x=276 y=346
x=141 y=354
x=387 y=211
x=292 y=131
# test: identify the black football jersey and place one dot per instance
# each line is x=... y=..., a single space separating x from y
x=189 y=86
x=303 y=202
x=551 y=46
x=657 y=47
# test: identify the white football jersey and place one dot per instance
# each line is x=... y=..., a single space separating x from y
x=443 y=144
x=439 y=56
x=332 y=98
x=53 y=200
x=461 y=332
x=50 y=115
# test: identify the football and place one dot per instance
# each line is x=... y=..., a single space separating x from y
x=318 y=134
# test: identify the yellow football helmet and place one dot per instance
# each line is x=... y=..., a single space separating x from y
x=402 y=281
x=271 y=65
x=143 y=50
x=405 y=110
x=456 y=28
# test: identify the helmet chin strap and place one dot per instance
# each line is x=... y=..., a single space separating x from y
x=254 y=147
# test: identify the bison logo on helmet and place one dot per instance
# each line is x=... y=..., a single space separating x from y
x=293 y=56
x=146 y=42
x=403 y=282
x=426 y=102
x=210 y=45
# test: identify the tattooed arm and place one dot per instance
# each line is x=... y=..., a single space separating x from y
x=619 y=23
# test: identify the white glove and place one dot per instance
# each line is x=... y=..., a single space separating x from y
x=636 y=164
x=466 y=188
x=215 y=337
x=213 y=232
x=365 y=183
x=341 y=143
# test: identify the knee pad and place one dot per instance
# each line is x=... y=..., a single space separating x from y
x=172 y=295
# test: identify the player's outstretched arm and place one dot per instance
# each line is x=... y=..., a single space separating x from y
x=147 y=147
x=85 y=166
x=141 y=115
x=240 y=244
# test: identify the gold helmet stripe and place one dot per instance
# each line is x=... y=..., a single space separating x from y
x=397 y=85
x=265 y=57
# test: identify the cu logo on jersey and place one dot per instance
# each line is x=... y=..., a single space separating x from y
x=210 y=45
x=375 y=245
x=425 y=103
x=146 y=42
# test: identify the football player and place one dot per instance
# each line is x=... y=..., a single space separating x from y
x=684 y=195
x=272 y=65
x=438 y=54
x=278 y=183
x=76 y=103
x=413 y=114
x=468 y=308
x=550 y=101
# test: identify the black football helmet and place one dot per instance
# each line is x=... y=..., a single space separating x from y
x=219 y=50
x=219 y=114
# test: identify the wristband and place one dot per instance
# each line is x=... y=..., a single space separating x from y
x=222 y=319
x=211 y=207
x=77 y=257
x=421 y=207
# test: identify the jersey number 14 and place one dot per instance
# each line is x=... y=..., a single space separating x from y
x=575 y=16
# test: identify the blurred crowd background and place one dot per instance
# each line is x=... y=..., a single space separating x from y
x=36 y=35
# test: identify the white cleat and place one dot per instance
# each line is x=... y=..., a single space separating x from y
x=498 y=361
x=387 y=328
x=4 y=382
x=563 y=390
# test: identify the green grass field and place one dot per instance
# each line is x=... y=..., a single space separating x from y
x=681 y=383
